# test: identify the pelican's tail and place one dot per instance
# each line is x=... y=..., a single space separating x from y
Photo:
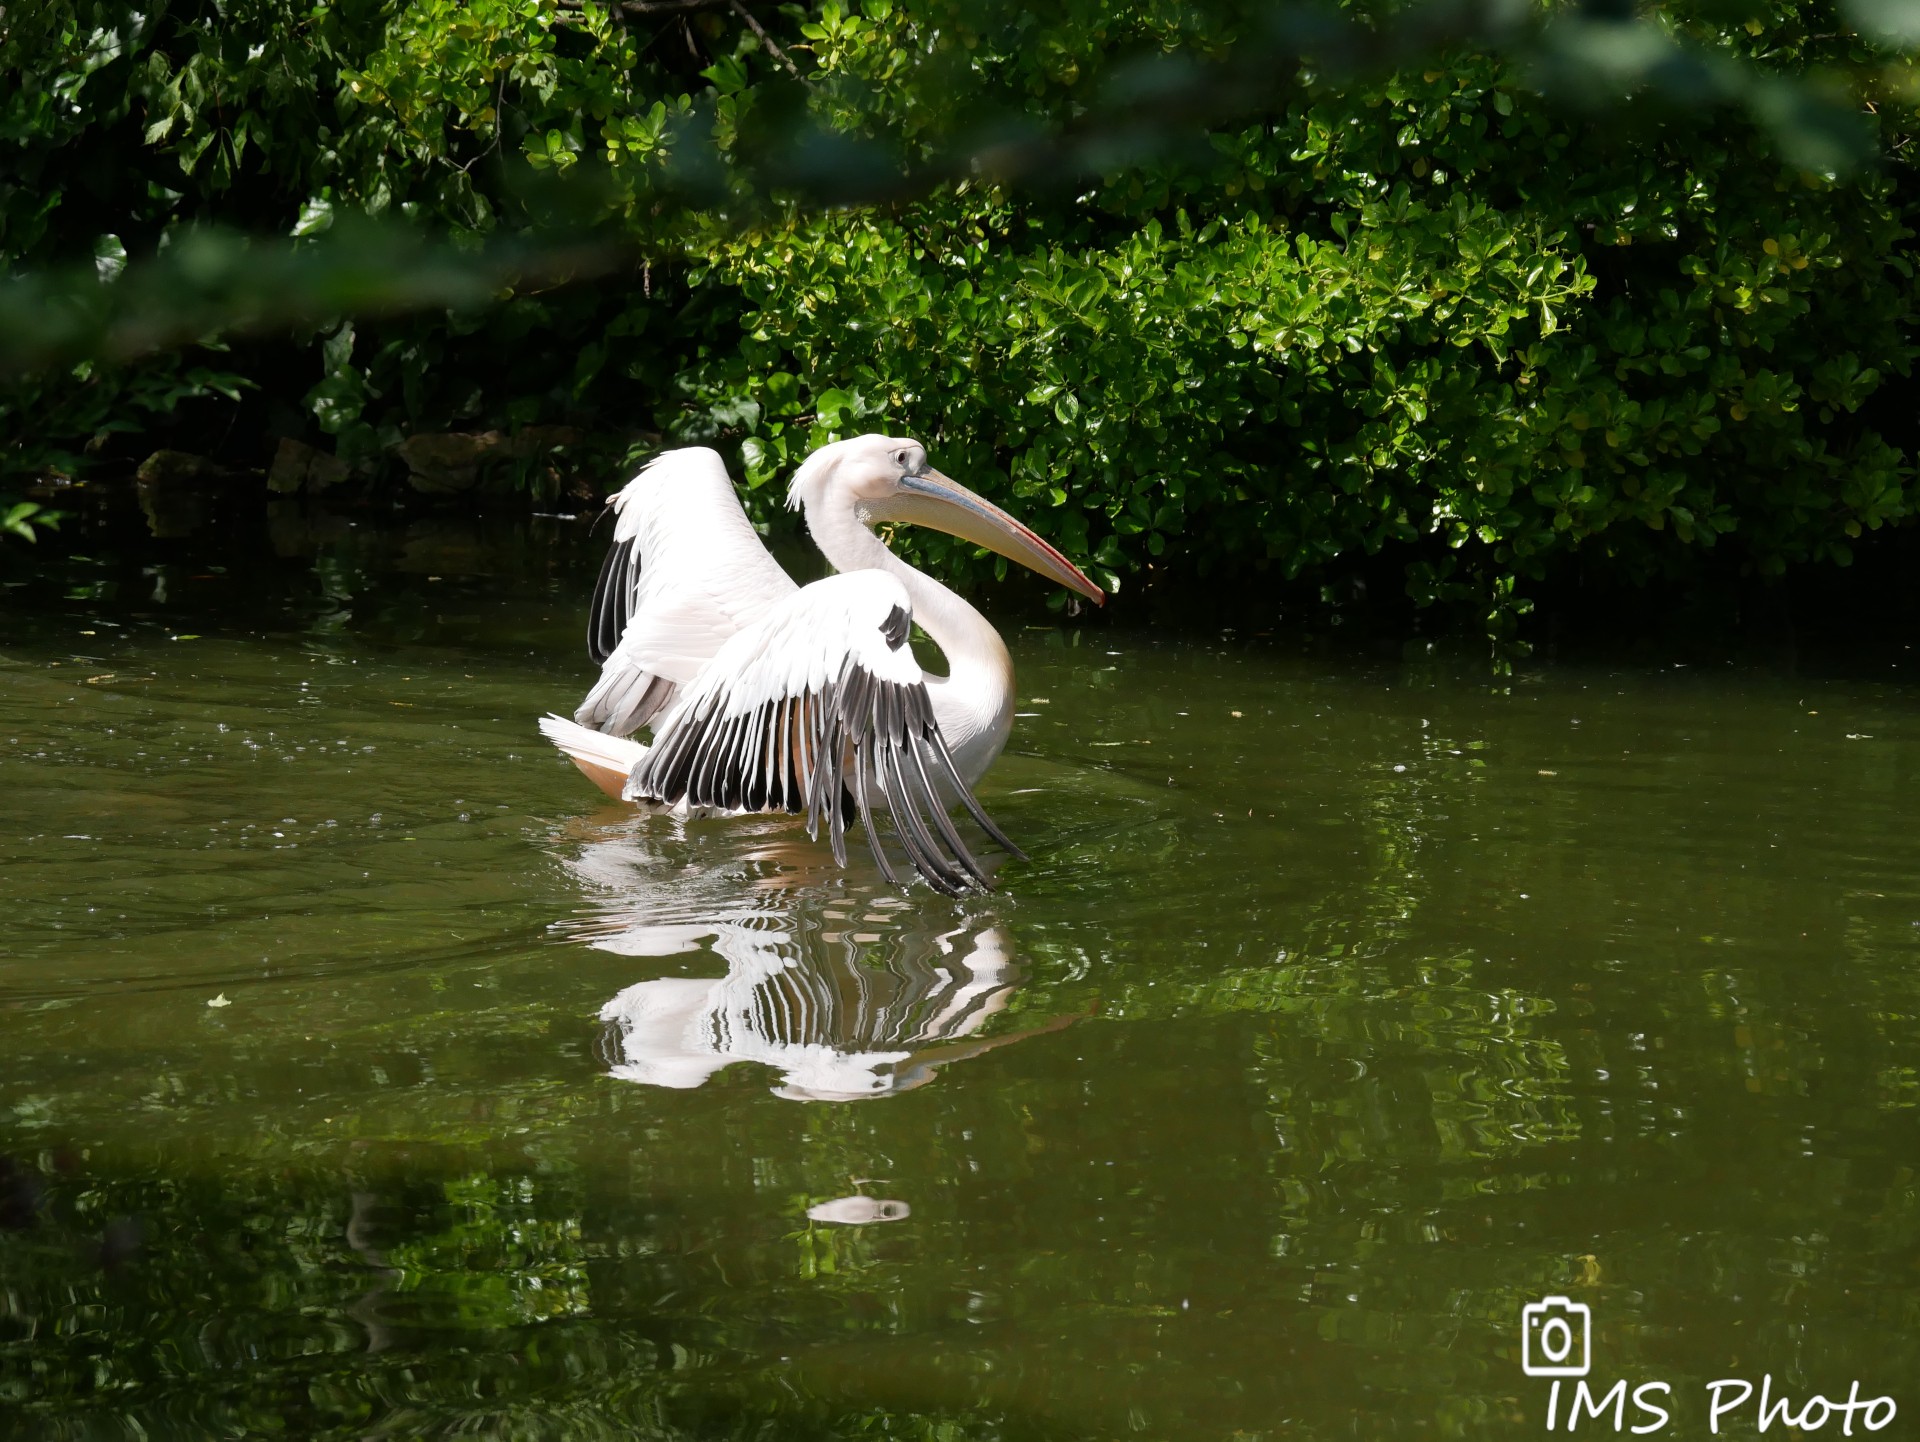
x=606 y=760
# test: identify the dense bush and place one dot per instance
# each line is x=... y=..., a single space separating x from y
x=1423 y=311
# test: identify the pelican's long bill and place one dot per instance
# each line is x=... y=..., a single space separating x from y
x=943 y=504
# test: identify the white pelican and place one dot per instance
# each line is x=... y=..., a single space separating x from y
x=767 y=696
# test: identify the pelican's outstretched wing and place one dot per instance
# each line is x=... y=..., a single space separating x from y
x=685 y=572
x=821 y=698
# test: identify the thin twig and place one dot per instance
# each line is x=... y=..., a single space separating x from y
x=651 y=7
x=681 y=7
x=767 y=40
x=499 y=128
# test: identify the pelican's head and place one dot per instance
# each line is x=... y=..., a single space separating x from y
x=880 y=479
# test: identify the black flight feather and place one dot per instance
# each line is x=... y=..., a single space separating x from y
x=896 y=628
x=612 y=601
x=793 y=753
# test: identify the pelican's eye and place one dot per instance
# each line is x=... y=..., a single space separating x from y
x=904 y=460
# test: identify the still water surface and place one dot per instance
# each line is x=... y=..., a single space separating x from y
x=363 y=1073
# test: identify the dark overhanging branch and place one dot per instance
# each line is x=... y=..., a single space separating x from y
x=1150 y=103
x=219 y=282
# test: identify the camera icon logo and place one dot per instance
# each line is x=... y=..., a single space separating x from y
x=1556 y=1338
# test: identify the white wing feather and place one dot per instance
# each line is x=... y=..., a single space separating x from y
x=801 y=645
x=686 y=571
x=820 y=698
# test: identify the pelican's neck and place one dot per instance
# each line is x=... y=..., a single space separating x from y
x=977 y=661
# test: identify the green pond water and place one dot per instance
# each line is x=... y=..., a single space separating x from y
x=364 y=1073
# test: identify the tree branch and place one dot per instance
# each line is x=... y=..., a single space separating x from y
x=767 y=40
x=682 y=7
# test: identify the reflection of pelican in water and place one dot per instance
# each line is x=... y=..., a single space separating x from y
x=846 y=1002
x=838 y=1028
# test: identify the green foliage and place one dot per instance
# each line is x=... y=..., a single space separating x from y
x=20 y=517
x=1398 y=315
x=1235 y=385
x=1424 y=310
